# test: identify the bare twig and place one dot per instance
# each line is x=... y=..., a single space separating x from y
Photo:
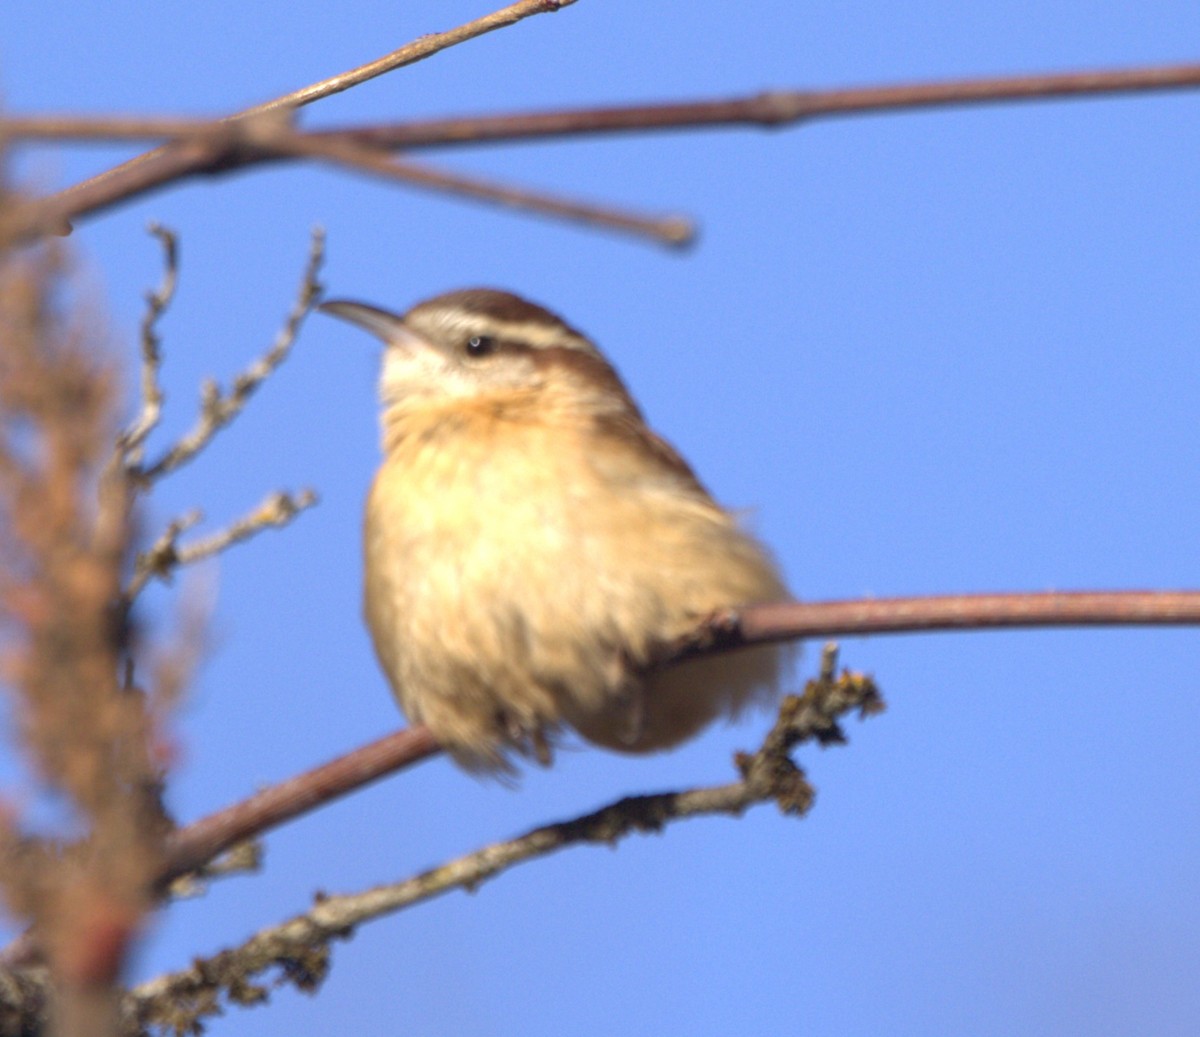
x=772 y=109
x=161 y=557
x=410 y=53
x=223 y=147
x=277 y=510
x=199 y=148
x=768 y=109
x=300 y=946
x=668 y=230
x=162 y=165
x=131 y=442
x=218 y=409
x=102 y=129
x=166 y=554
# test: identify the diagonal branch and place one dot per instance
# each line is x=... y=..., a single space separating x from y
x=166 y=555
x=300 y=947
x=421 y=48
x=759 y=624
x=667 y=230
x=174 y=161
x=201 y=841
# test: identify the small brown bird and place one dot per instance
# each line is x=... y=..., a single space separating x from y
x=529 y=542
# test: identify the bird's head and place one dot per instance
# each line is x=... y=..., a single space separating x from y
x=481 y=344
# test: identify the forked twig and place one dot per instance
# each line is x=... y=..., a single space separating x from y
x=174 y=161
x=131 y=442
x=166 y=555
x=217 y=408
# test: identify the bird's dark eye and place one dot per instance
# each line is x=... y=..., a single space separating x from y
x=480 y=345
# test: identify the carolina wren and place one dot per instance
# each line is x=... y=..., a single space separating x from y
x=529 y=541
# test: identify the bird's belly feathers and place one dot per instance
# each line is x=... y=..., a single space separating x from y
x=513 y=583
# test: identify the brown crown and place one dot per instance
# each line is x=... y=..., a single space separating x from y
x=499 y=305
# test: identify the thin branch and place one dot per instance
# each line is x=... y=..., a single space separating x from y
x=166 y=555
x=793 y=620
x=151 y=171
x=759 y=624
x=191 y=847
x=174 y=161
x=773 y=109
x=160 y=558
x=195 y=845
x=300 y=946
x=200 y=149
x=668 y=230
x=276 y=511
x=224 y=147
x=768 y=109
x=102 y=129
x=410 y=53
x=131 y=442
x=218 y=409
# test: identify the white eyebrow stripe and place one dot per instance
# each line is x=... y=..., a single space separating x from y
x=538 y=334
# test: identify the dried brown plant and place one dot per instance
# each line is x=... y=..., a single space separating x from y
x=89 y=736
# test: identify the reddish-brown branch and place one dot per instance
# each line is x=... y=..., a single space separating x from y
x=103 y=129
x=200 y=150
x=774 y=108
x=789 y=620
x=201 y=841
x=667 y=230
x=183 y=158
x=771 y=108
x=150 y=172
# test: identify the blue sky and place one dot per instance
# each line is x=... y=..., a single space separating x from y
x=933 y=352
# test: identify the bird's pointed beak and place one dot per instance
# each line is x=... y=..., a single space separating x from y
x=383 y=324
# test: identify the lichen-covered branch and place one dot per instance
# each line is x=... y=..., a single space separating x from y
x=299 y=949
